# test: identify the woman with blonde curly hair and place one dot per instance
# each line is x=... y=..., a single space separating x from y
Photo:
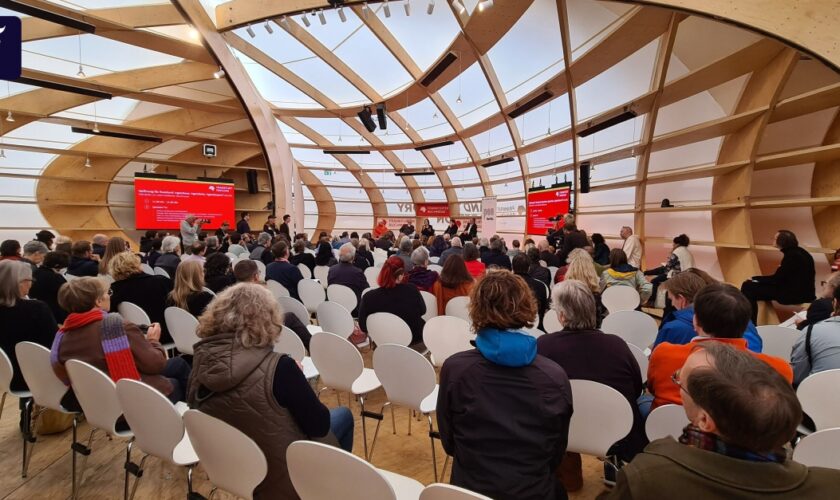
x=503 y=411
x=189 y=293
x=582 y=268
x=239 y=378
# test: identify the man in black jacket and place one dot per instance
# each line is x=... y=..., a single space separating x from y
x=572 y=238
x=82 y=261
x=495 y=255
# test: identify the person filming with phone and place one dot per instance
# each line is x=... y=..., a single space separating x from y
x=190 y=227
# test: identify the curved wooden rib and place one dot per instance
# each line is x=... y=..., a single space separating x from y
x=326 y=204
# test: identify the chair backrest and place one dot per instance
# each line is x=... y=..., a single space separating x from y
x=406 y=375
x=434 y=260
x=7 y=371
x=321 y=273
x=158 y=427
x=305 y=271
x=147 y=268
x=232 y=256
x=232 y=460
x=334 y=318
x=337 y=360
x=435 y=267
x=778 y=340
x=159 y=271
x=96 y=393
x=320 y=471
x=386 y=328
x=260 y=268
x=620 y=298
x=343 y=295
x=602 y=416
x=641 y=359
x=372 y=273
x=211 y=292
x=133 y=314
x=311 y=293
x=445 y=336
x=820 y=398
x=289 y=343
x=819 y=449
x=664 y=421
x=34 y=361
x=182 y=326
x=459 y=307
x=634 y=327
x=551 y=323
x=277 y=289
x=533 y=331
x=552 y=270
x=440 y=491
x=291 y=305
x=431 y=305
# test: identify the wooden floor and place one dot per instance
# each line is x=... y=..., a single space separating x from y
x=49 y=470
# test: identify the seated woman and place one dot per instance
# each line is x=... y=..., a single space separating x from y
x=679 y=260
x=587 y=353
x=623 y=274
x=115 y=246
x=324 y=256
x=397 y=297
x=147 y=292
x=454 y=281
x=471 y=256
x=364 y=258
x=420 y=275
x=503 y=411
x=189 y=293
x=817 y=348
x=537 y=270
x=170 y=258
x=217 y=272
x=820 y=309
x=520 y=268
x=47 y=280
x=600 y=249
x=582 y=268
x=437 y=245
x=239 y=379
x=106 y=341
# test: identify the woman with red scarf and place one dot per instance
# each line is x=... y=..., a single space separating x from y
x=116 y=347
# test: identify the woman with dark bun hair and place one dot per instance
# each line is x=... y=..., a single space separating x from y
x=397 y=297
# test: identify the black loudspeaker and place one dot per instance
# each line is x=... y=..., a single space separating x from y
x=584 y=177
x=366 y=119
x=251 y=175
x=380 y=113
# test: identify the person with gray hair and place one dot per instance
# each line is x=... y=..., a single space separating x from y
x=212 y=245
x=99 y=241
x=404 y=252
x=261 y=252
x=457 y=248
x=364 y=257
x=170 y=256
x=34 y=253
x=347 y=274
x=420 y=276
x=496 y=256
x=190 y=227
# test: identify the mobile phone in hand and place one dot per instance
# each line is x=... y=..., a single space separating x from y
x=143 y=328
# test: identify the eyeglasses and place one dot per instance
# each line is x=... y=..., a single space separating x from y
x=675 y=378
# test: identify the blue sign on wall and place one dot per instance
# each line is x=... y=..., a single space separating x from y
x=10 y=47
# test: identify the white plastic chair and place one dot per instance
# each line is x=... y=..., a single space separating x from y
x=211 y=292
x=349 y=478
x=434 y=260
x=552 y=270
x=777 y=340
x=305 y=271
x=431 y=305
x=819 y=449
x=342 y=368
x=260 y=268
x=133 y=313
x=232 y=460
x=182 y=326
x=409 y=381
x=289 y=343
x=311 y=293
x=158 y=430
x=277 y=289
x=159 y=271
x=6 y=375
x=147 y=269
x=435 y=267
x=445 y=336
x=634 y=327
x=602 y=417
x=232 y=256
x=440 y=491
x=666 y=420
x=641 y=359
x=386 y=328
x=459 y=307
x=292 y=305
x=321 y=273
x=342 y=295
x=620 y=298
x=551 y=323
x=334 y=318
x=820 y=398
x=372 y=273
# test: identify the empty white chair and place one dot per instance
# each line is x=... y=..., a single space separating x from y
x=311 y=293
x=6 y=374
x=260 y=268
x=159 y=271
x=147 y=268
x=277 y=289
x=634 y=327
x=232 y=256
x=232 y=460
x=440 y=491
x=620 y=298
x=820 y=398
x=551 y=323
x=349 y=477
x=342 y=295
x=372 y=273
x=434 y=260
x=321 y=273
x=431 y=305
x=334 y=318
x=445 y=336
x=386 y=328
x=459 y=307
x=641 y=359
x=342 y=368
x=182 y=326
x=133 y=314
x=305 y=271
x=664 y=421
x=435 y=267
x=819 y=449
x=602 y=416
x=552 y=270
x=778 y=340
x=289 y=343
x=409 y=381
x=291 y=305
x=158 y=430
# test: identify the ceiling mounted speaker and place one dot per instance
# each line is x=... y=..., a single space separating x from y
x=380 y=113
x=584 y=177
x=366 y=119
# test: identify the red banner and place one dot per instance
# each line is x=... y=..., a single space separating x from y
x=432 y=209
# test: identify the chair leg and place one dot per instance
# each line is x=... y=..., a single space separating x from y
x=28 y=434
x=443 y=472
x=190 y=470
x=73 y=456
x=2 y=404
x=137 y=471
x=410 y=417
x=379 y=417
x=432 y=435
x=393 y=420
x=85 y=452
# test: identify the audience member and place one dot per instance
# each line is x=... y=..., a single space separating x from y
x=397 y=297
x=364 y=257
x=285 y=227
x=154 y=253
x=146 y=241
x=190 y=227
x=263 y=246
x=437 y=246
x=536 y=269
x=47 y=280
x=246 y=271
x=45 y=237
x=33 y=253
x=483 y=248
x=62 y=244
x=455 y=281
x=301 y=256
x=793 y=281
x=213 y=246
x=324 y=255
x=345 y=273
x=270 y=226
x=237 y=246
x=513 y=252
x=170 y=257
x=217 y=272
x=818 y=348
x=474 y=266
x=115 y=245
x=600 y=249
x=503 y=411
x=632 y=247
x=282 y=271
x=197 y=252
x=420 y=275
x=188 y=292
x=546 y=255
x=582 y=268
x=10 y=250
x=404 y=253
x=99 y=243
x=223 y=233
x=573 y=238
x=146 y=291
x=621 y=273
x=456 y=248
x=243 y=227
x=741 y=415
x=496 y=255
x=823 y=307
x=679 y=260
x=83 y=262
x=520 y=268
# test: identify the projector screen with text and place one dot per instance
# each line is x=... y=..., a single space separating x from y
x=161 y=203
x=545 y=204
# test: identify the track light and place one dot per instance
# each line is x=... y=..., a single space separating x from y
x=322 y=17
x=341 y=15
x=407 y=7
x=284 y=21
x=219 y=74
x=431 y=7
x=460 y=6
x=194 y=34
x=484 y=4
x=250 y=31
x=95 y=128
x=88 y=164
x=305 y=20
x=458 y=100
x=365 y=10
x=81 y=72
x=268 y=27
x=386 y=8
x=9 y=117
x=2 y=153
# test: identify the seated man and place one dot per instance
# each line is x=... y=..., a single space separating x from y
x=83 y=262
x=721 y=314
x=345 y=273
x=741 y=413
x=823 y=307
x=282 y=271
x=818 y=347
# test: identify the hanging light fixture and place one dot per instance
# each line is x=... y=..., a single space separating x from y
x=458 y=100
x=305 y=20
x=365 y=10
x=484 y=5
x=194 y=34
x=250 y=31
x=2 y=153
x=88 y=164
x=10 y=117
x=431 y=7
x=95 y=120
x=322 y=18
x=219 y=74
x=268 y=27
x=342 y=15
x=407 y=7
x=386 y=8
x=284 y=21
x=81 y=73
x=460 y=6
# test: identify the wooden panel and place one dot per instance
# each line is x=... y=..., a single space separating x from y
x=825 y=183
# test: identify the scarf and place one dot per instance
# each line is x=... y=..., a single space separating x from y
x=506 y=347
x=694 y=437
x=115 y=345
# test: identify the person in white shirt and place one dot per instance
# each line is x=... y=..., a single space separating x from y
x=189 y=230
x=632 y=247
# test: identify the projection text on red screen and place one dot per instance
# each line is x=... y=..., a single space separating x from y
x=546 y=204
x=164 y=203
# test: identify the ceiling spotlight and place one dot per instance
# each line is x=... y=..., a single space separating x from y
x=407 y=7
x=322 y=17
x=9 y=117
x=81 y=73
x=2 y=153
x=460 y=6
x=341 y=15
x=87 y=162
x=268 y=27
x=365 y=10
x=250 y=31
x=458 y=100
x=194 y=34
x=386 y=8
x=431 y=7
x=484 y=4
x=305 y=20
x=219 y=74
x=284 y=21
x=95 y=128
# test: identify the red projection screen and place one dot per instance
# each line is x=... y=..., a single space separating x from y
x=162 y=203
x=547 y=203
